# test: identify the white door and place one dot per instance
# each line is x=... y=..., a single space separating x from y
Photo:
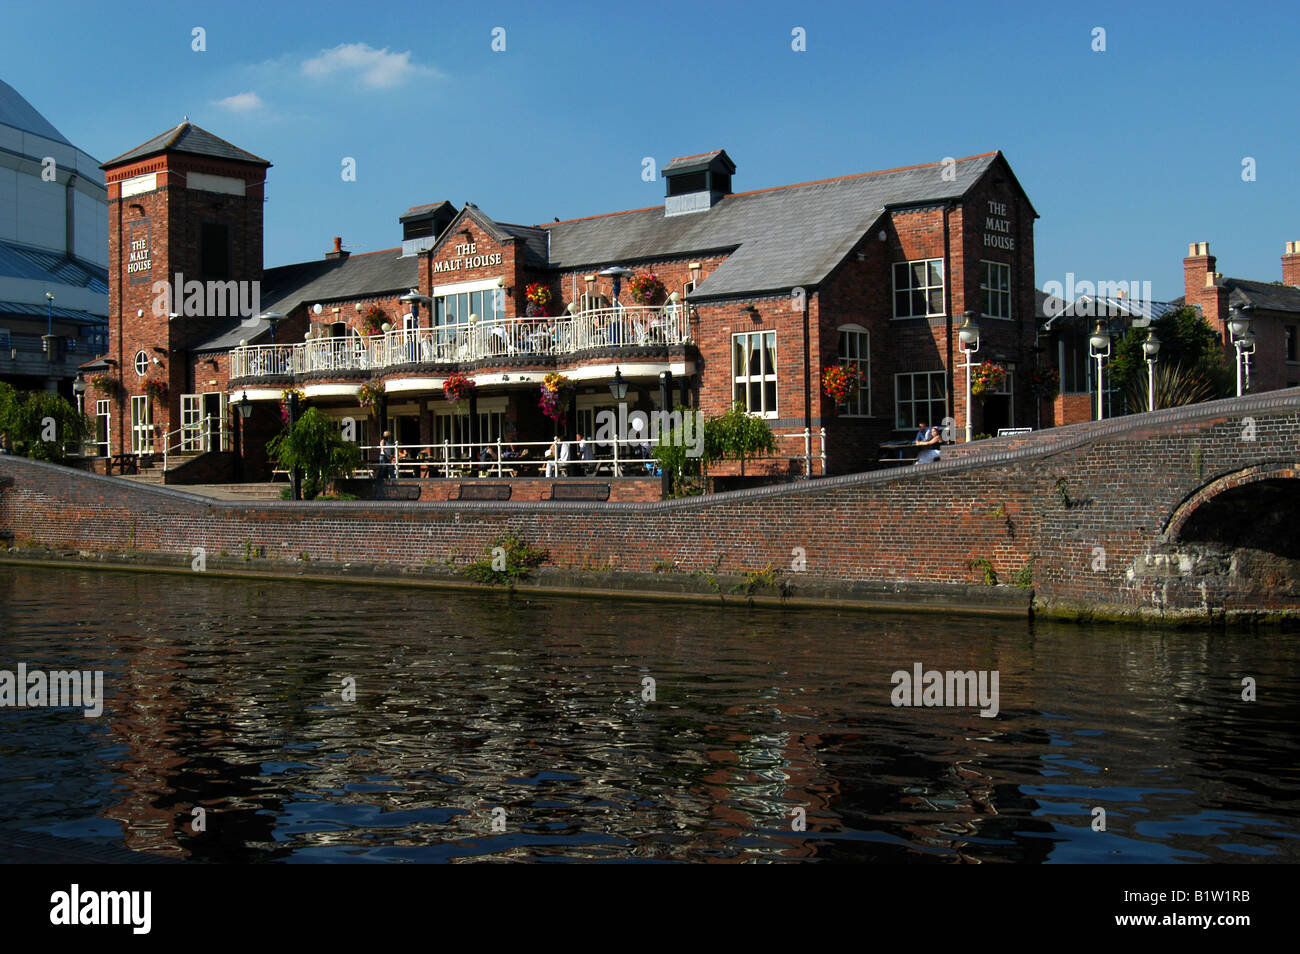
x=191 y=432
x=141 y=424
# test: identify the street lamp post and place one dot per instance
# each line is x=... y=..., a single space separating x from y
x=1099 y=349
x=1243 y=340
x=969 y=342
x=1151 y=348
x=618 y=388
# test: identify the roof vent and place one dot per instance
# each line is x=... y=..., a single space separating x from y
x=697 y=183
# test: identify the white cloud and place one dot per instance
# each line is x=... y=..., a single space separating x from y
x=376 y=69
x=242 y=102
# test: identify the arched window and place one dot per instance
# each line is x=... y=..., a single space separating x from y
x=855 y=351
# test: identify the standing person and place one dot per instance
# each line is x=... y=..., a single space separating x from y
x=564 y=456
x=588 y=455
x=929 y=446
x=386 y=456
x=552 y=456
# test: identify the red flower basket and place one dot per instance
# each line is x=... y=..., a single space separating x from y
x=840 y=382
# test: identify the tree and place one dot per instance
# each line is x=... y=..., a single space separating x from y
x=1187 y=342
x=41 y=424
x=314 y=446
x=737 y=435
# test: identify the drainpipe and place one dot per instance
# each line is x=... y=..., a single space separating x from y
x=947 y=308
x=807 y=398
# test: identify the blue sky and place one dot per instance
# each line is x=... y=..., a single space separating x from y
x=1127 y=154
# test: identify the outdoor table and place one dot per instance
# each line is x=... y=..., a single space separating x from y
x=896 y=446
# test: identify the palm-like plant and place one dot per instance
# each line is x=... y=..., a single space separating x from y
x=1176 y=385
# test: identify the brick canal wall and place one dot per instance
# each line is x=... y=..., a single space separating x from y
x=1083 y=511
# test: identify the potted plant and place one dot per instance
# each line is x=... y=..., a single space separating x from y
x=373 y=322
x=156 y=388
x=370 y=396
x=986 y=377
x=554 y=401
x=285 y=395
x=104 y=383
x=539 y=299
x=646 y=288
x=840 y=382
x=457 y=387
x=1043 y=383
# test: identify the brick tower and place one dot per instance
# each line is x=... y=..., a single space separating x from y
x=184 y=207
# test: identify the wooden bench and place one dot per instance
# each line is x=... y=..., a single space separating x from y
x=576 y=491
x=481 y=492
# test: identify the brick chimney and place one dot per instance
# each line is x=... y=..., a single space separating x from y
x=1291 y=264
x=1198 y=263
x=337 y=251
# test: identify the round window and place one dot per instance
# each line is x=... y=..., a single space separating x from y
x=141 y=363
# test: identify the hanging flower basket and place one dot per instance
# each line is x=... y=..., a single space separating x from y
x=284 y=402
x=554 y=401
x=840 y=382
x=104 y=383
x=156 y=389
x=539 y=297
x=1044 y=383
x=458 y=387
x=985 y=378
x=371 y=395
x=373 y=322
x=646 y=289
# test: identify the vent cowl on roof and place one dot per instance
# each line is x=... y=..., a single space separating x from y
x=697 y=183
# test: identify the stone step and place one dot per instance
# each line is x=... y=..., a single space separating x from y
x=234 y=491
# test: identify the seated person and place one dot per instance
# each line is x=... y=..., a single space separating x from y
x=929 y=446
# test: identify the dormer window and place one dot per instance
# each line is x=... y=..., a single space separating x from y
x=697 y=183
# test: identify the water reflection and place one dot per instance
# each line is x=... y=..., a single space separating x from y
x=229 y=695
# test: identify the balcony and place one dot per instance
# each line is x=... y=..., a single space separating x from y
x=541 y=340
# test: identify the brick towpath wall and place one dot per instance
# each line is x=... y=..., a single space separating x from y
x=1089 y=504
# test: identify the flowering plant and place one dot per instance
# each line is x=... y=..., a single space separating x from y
x=538 y=293
x=556 y=389
x=156 y=388
x=535 y=310
x=1044 y=382
x=374 y=320
x=840 y=382
x=370 y=394
x=284 y=402
x=986 y=377
x=457 y=387
x=646 y=288
x=103 y=383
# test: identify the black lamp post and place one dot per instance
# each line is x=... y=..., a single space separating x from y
x=245 y=412
x=295 y=478
x=665 y=429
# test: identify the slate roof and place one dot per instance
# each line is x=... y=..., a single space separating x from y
x=699 y=161
x=1085 y=309
x=186 y=138
x=15 y=111
x=783 y=237
x=1265 y=296
x=321 y=281
x=24 y=261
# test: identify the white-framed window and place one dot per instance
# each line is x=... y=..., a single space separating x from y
x=918 y=288
x=455 y=309
x=141 y=424
x=103 y=413
x=920 y=396
x=141 y=363
x=753 y=370
x=451 y=425
x=855 y=351
x=995 y=289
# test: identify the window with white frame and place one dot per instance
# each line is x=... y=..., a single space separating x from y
x=920 y=396
x=855 y=352
x=103 y=412
x=455 y=309
x=753 y=369
x=995 y=288
x=918 y=288
x=141 y=363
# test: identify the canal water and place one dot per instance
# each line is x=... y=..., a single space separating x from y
x=509 y=728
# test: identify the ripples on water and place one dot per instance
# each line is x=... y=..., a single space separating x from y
x=227 y=694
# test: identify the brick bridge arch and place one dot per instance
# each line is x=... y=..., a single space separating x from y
x=1283 y=477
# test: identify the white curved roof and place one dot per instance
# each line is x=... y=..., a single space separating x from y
x=15 y=111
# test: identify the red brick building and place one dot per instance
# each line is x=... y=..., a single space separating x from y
x=761 y=290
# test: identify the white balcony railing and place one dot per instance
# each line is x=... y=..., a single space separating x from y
x=604 y=328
